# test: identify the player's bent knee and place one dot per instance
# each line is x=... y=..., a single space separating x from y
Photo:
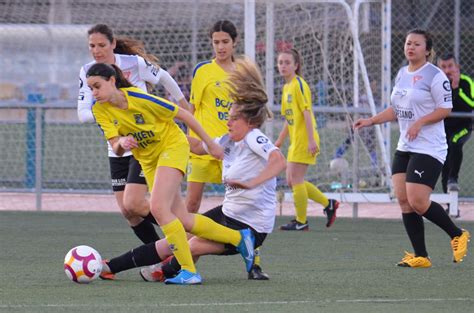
x=193 y=205
x=197 y=249
x=419 y=204
x=405 y=205
x=160 y=214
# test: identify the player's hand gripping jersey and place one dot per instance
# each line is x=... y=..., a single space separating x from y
x=415 y=95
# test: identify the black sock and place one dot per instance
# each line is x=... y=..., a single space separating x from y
x=141 y=256
x=151 y=218
x=415 y=229
x=438 y=216
x=146 y=232
x=171 y=269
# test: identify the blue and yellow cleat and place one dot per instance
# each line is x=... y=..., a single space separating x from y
x=246 y=248
x=185 y=277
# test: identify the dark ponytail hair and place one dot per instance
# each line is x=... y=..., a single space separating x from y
x=102 y=29
x=108 y=70
x=226 y=27
x=124 y=45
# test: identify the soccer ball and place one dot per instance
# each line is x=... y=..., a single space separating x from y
x=82 y=264
x=339 y=165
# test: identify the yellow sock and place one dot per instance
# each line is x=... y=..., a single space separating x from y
x=300 y=198
x=316 y=195
x=206 y=228
x=178 y=243
x=256 y=260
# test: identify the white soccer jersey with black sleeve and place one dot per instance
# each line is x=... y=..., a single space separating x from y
x=243 y=161
x=138 y=72
x=417 y=94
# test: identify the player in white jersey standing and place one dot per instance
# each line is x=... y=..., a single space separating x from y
x=421 y=99
x=250 y=166
x=141 y=69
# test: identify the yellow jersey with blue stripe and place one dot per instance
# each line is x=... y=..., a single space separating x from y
x=149 y=119
x=296 y=98
x=210 y=98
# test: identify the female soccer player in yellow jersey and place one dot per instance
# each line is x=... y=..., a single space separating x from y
x=142 y=70
x=301 y=125
x=134 y=120
x=210 y=102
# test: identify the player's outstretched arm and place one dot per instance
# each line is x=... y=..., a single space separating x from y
x=386 y=115
x=214 y=149
x=196 y=146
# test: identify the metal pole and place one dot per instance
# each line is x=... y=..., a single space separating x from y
x=355 y=142
x=386 y=69
x=39 y=155
x=457 y=29
x=194 y=28
x=250 y=29
x=269 y=63
x=270 y=55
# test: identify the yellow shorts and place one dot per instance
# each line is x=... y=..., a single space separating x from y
x=298 y=152
x=300 y=156
x=204 y=171
x=175 y=155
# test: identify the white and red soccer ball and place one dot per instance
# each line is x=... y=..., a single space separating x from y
x=82 y=264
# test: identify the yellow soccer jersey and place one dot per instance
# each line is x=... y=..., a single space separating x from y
x=210 y=98
x=149 y=119
x=296 y=98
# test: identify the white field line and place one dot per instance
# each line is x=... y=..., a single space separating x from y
x=214 y=304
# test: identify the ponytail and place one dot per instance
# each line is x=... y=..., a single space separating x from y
x=106 y=71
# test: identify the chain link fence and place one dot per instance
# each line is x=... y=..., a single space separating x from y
x=450 y=22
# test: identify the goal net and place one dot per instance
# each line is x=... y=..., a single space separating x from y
x=44 y=44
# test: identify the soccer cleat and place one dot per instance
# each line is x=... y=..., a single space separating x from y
x=106 y=274
x=410 y=260
x=246 y=248
x=459 y=246
x=185 y=278
x=452 y=185
x=256 y=273
x=295 y=225
x=152 y=273
x=330 y=211
x=408 y=256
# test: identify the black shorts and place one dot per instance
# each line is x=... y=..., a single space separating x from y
x=218 y=216
x=419 y=168
x=125 y=170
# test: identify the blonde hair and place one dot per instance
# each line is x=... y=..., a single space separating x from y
x=247 y=92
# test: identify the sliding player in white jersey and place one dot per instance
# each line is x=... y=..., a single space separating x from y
x=421 y=99
x=128 y=181
x=250 y=166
